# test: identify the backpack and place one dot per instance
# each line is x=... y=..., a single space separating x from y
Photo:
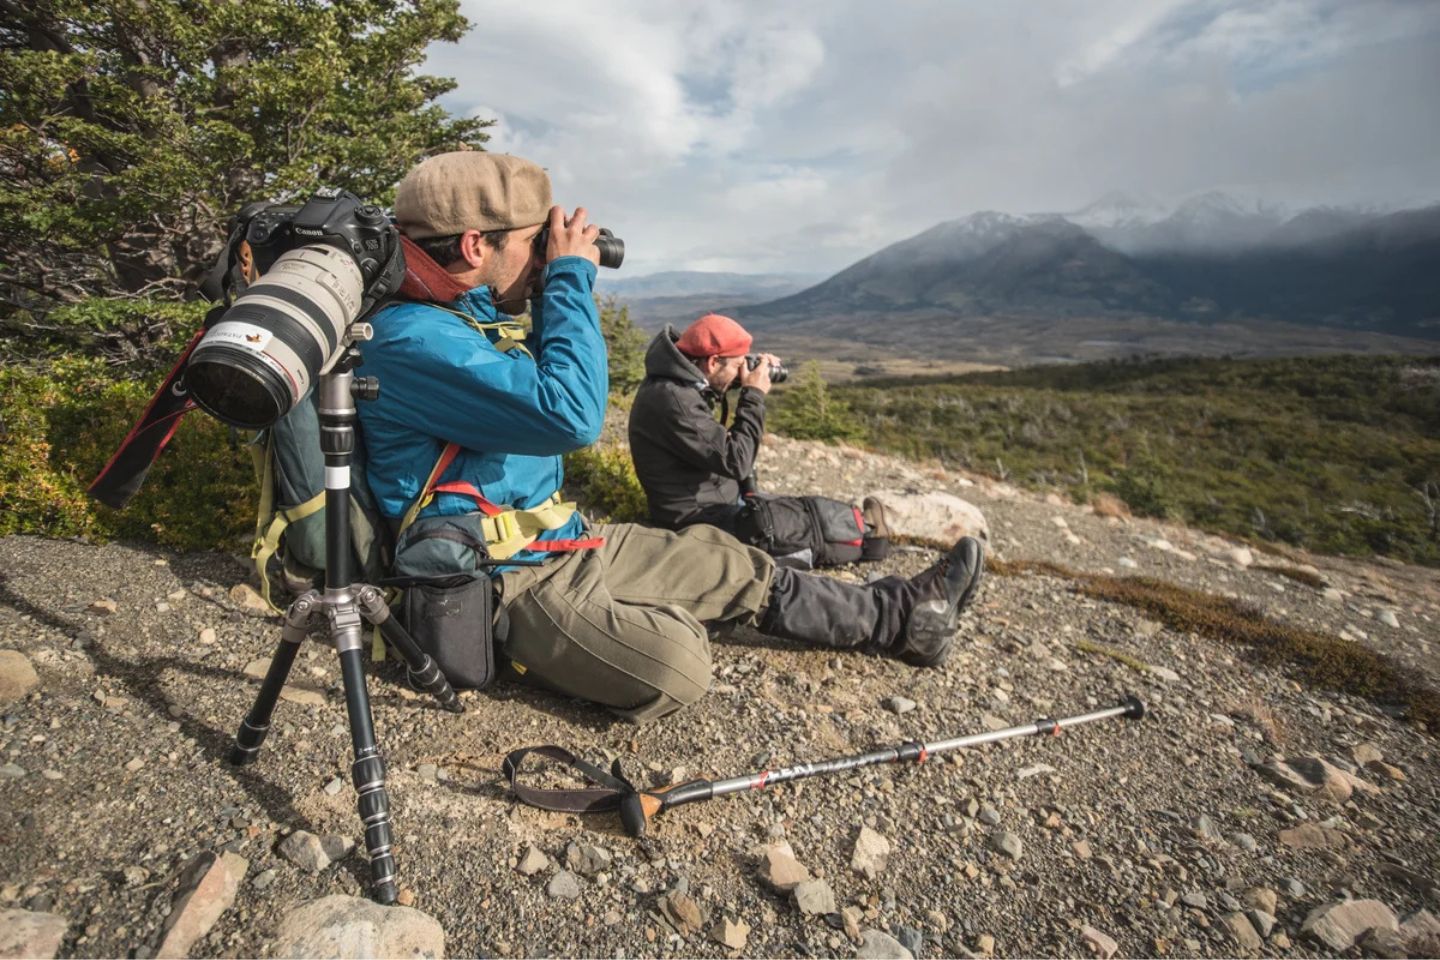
x=290 y=519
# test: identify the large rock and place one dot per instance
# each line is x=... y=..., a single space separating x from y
x=1314 y=774
x=1338 y=925
x=207 y=889
x=1312 y=836
x=938 y=516
x=340 y=926
x=24 y=933
x=17 y=677
x=1246 y=938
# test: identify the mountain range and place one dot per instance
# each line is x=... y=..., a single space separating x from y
x=1212 y=260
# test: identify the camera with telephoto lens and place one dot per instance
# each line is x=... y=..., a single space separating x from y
x=778 y=373
x=612 y=248
x=322 y=266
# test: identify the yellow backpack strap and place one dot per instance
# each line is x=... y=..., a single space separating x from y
x=510 y=531
x=511 y=334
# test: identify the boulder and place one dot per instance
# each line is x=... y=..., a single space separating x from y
x=1340 y=924
x=17 y=677
x=340 y=926
x=25 y=933
x=934 y=516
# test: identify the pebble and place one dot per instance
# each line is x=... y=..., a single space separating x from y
x=871 y=854
x=1164 y=673
x=1003 y=841
x=899 y=705
x=910 y=938
x=1388 y=618
x=533 y=861
x=335 y=785
x=875 y=945
x=1025 y=773
x=989 y=816
x=814 y=897
x=103 y=607
x=1101 y=944
x=563 y=886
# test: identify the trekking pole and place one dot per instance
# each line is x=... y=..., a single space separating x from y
x=638 y=806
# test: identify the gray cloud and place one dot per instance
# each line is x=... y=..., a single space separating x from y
x=752 y=136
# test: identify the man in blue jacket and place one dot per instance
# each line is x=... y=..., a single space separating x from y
x=471 y=422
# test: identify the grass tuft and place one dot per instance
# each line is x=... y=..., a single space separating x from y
x=1316 y=658
x=1131 y=661
x=1294 y=573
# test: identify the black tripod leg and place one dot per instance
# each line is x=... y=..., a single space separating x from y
x=256 y=725
x=368 y=773
x=424 y=672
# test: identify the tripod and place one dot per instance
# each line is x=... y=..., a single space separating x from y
x=341 y=611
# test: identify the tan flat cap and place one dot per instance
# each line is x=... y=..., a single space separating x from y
x=471 y=190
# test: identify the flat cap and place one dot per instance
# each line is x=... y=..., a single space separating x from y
x=471 y=190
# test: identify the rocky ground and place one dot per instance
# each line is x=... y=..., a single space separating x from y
x=1248 y=814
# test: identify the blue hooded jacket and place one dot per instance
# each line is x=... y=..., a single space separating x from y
x=441 y=381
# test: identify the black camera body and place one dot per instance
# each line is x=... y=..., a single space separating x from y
x=778 y=371
x=334 y=217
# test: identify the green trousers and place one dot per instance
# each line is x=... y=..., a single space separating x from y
x=623 y=624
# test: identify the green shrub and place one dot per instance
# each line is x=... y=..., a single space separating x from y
x=808 y=411
x=602 y=479
x=1335 y=454
x=61 y=426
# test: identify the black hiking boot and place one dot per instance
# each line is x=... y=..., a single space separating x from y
x=942 y=592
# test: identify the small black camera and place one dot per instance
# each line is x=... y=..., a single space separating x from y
x=778 y=373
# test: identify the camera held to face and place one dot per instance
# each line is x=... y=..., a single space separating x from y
x=612 y=248
x=778 y=371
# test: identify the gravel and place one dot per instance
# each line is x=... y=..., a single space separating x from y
x=1101 y=835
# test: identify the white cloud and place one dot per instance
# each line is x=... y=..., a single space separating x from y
x=805 y=135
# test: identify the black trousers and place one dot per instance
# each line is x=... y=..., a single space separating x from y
x=799 y=531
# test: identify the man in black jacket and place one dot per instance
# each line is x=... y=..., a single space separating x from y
x=695 y=468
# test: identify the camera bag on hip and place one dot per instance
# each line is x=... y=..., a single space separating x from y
x=449 y=600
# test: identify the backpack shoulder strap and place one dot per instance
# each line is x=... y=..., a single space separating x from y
x=511 y=333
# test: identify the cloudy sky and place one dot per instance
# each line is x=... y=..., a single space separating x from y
x=800 y=136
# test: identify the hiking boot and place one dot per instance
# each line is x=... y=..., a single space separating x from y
x=943 y=591
x=876 y=545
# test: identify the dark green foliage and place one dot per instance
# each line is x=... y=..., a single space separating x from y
x=602 y=479
x=130 y=131
x=1336 y=454
x=806 y=410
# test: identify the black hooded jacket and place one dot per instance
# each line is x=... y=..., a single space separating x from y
x=687 y=461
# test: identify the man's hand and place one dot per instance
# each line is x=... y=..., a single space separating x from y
x=759 y=378
x=571 y=237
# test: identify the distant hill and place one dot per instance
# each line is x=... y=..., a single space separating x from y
x=692 y=283
x=679 y=296
x=1212 y=260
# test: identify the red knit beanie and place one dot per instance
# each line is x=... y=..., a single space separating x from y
x=714 y=336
